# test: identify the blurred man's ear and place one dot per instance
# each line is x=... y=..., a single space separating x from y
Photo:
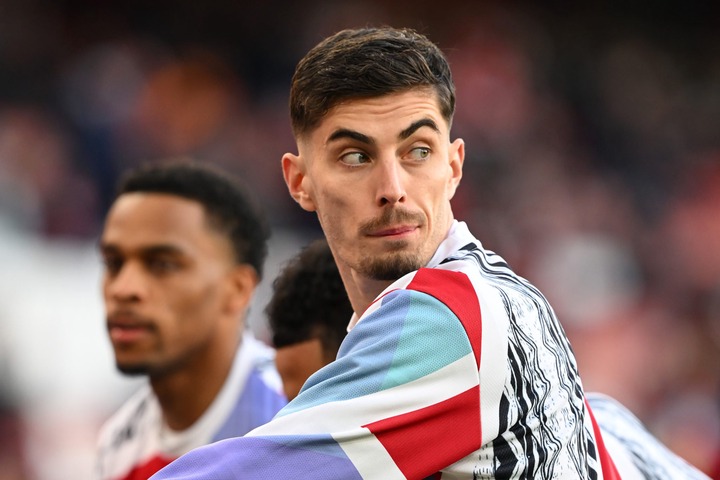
x=242 y=283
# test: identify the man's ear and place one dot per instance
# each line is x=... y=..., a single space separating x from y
x=294 y=173
x=457 y=158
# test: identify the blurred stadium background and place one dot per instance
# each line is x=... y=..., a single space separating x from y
x=593 y=141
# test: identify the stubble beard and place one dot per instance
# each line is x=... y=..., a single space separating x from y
x=133 y=370
x=144 y=369
x=390 y=267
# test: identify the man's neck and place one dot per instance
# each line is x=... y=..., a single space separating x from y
x=360 y=289
x=185 y=395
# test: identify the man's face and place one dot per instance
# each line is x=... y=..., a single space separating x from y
x=380 y=174
x=167 y=282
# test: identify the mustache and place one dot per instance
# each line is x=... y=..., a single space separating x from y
x=391 y=217
x=127 y=318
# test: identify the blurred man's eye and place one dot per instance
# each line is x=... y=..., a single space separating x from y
x=112 y=264
x=163 y=265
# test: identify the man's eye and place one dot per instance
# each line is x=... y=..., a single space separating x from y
x=162 y=265
x=112 y=265
x=420 y=153
x=354 y=158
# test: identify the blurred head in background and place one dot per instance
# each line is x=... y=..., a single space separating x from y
x=308 y=315
x=183 y=249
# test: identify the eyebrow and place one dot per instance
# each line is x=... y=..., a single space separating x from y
x=351 y=134
x=144 y=251
x=361 y=137
x=424 y=122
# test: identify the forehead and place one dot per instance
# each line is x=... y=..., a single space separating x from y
x=145 y=218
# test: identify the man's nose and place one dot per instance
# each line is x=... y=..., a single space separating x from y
x=390 y=182
x=128 y=284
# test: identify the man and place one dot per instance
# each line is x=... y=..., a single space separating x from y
x=308 y=315
x=183 y=250
x=454 y=366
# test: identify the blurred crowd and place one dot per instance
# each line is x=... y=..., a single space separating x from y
x=593 y=166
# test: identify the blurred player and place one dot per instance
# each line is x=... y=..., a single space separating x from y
x=308 y=315
x=183 y=250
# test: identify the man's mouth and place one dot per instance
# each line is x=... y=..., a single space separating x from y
x=127 y=327
x=393 y=231
x=127 y=334
x=393 y=223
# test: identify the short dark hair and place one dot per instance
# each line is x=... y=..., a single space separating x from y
x=309 y=301
x=366 y=63
x=227 y=203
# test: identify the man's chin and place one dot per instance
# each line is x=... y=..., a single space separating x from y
x=391 y=267
x=133 y=370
